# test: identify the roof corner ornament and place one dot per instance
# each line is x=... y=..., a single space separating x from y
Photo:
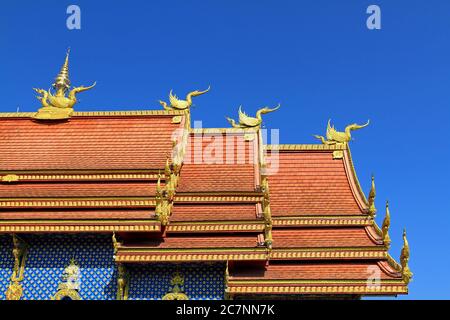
x=178 y=104
x=247 y=122
x=334 y=137
x=59 y=106
x=404 y=259
x=371 y=201
x=385 y=227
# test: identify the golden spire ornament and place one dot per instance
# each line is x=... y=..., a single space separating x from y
x=59 y=105
x=385 y=227
x=371 y=201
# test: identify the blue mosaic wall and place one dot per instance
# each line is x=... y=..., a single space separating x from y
x=202 y=281
x=6 y=263
x=48 y=255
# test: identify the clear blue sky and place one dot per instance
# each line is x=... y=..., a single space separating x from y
x=315 y=57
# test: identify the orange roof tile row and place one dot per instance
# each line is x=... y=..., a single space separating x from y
x=81 y=189
x=321 y=237
x=213 y=212
x=216 y=242
x=312 y=271
x=88 y=214
x=86 y=143
x=311 y=183
x=227 y=166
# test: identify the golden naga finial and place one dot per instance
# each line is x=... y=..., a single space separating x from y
x=251 y=122
x=372 y=210
x=60 y=105
x=385 y=227
x=334 y=136
x=404 y=259
x=177 y=104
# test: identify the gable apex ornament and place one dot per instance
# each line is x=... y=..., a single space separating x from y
x=177 y=104
x=334 y=137
x=246 y=121
x=59 y=105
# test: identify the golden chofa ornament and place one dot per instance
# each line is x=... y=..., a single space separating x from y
x=59 y=105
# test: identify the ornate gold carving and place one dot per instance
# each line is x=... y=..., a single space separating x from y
x=385 y=227
x=334 y=137
x=251 y=122
x=210 y=227
x=177 y=119
x=122 y=282
x=20 y=251
x=404 y=259
x=49 y=203
x=371 y=200
x=177 y=104
x=60 y=105
x=338 y=154
x=10 y=178
x=176 y=292
x=70 y=284
x=266 y=211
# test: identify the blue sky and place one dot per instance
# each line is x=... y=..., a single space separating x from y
x=315 y=57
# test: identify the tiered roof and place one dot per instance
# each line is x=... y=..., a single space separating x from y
x=176 y=194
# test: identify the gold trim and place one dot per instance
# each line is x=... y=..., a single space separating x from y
x=129 y=113
x=69 y=228
x=328 y=253
x=203 y=199
x=304 y=147
x=322 y=221
x=78 y=177
x=361 y=289
x=173 y=227
x=190 y=257
x=68 y=203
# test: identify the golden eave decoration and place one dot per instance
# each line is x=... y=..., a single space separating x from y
x=333 y=136
x=59 y=105
x=404 y=260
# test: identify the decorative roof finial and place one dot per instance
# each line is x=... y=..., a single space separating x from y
x=334 y=137
x=246 y=122
x=177 y=104
x=404 y=259
x=62 y=81
x=371 y=200
x=385 y=226
x=59 y=105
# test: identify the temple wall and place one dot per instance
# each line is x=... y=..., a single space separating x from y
x=202 y=281
x=49 y=255
x=6 y=263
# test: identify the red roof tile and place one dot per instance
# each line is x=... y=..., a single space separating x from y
x=184 y=212
x=90 y=189
x=86 y=143
x=242 y=241
x=311 y=183
x=76 y=214
x=312 y=271
x=229 y=168
x=321 y=237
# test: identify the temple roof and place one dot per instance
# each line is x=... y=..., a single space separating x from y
x=174 y=193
